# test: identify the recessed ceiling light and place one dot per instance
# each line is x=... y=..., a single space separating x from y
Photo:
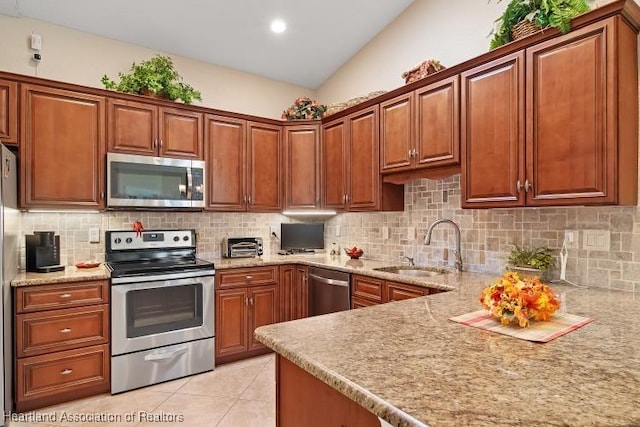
x=278 y=26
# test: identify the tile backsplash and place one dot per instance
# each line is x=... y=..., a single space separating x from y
x=487 y=235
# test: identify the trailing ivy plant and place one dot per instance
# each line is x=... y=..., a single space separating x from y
x=155 y=76
x=542 y=13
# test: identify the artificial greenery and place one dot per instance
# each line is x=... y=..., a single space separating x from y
x=154 y=76
x=541 y=257
x=543 y=13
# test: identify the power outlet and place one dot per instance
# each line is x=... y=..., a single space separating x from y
x=385 y=233
x=36 y=42
x=94 y=235
x=571 y=239
x=411 y=233
x=273 y=229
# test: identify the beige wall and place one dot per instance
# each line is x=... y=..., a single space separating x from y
x=451 y=31
x=81 y=58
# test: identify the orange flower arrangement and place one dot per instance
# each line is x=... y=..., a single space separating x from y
x=512 y=299
x=304 y=108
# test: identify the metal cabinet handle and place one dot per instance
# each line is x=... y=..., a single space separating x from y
x=155 y=143
x=251 y=301
x=246 y=301
x=161 y=143
x=528 y=185
x=65 y=295
x=66 y=372
x=244 y=200
x=249 y=200
x=518 y=186
x=410 y=153
x=348 y=198
x=249 y=277
x=65 y=330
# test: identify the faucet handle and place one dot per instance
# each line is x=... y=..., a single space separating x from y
x=410 y=259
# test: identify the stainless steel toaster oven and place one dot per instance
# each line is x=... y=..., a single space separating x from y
x=241 y=247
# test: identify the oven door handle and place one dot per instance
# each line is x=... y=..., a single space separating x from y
x=165 y=355
x=189 y=184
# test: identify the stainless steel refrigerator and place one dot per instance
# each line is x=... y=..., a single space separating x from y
x=9 y=232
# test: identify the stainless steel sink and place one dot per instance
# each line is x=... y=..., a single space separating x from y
x=407 y=270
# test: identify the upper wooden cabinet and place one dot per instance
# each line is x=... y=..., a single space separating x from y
x=8 y=112
x=147 y=129
x=303 y=165
x=420 y=129
x=244 y=165
x=573 y=141
x=351 y=171
x=62 y=148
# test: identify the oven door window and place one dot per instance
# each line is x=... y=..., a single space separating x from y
x=163 y=309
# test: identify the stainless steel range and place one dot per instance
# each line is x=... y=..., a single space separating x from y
x=162 y=307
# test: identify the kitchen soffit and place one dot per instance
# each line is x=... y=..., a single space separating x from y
x=320 y=36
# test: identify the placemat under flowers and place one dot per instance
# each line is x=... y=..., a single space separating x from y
x=522 y=308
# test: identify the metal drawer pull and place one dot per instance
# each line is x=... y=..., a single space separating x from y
x=163 y=356
x=65 y=296
x=249 y=277
x=528 y=185
x=251 y=301
x=66 y=372
x=518 y=186
x=65 y=330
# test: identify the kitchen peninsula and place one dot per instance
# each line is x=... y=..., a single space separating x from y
x=406 y=363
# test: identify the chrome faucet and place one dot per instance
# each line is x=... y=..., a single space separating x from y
x=410 y=259
x=427 y=239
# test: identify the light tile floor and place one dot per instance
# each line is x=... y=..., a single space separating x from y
x=240 y=394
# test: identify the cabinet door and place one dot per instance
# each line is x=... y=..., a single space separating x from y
x=132 y=127
x=8 y=112
x=334 y=166
x=571 y=146
x=493 y=133
x=265 y=171
x=225 y=156
x=302 y=175
x=231 y=321
x=180 y=133
x=263 y=310
x=300 y=293
x=285 y=288
x=396 y=133
x=364 y=152
x=438 y=124
x=62 y=157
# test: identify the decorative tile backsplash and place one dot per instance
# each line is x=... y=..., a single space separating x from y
x=487 y=235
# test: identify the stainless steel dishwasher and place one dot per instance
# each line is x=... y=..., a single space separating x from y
x=329 y=291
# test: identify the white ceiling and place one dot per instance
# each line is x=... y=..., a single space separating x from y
x=321 y=35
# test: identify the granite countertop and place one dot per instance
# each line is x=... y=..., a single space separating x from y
x=408 y=364
x=69 y=274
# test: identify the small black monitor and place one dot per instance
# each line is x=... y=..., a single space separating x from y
x=301 y=237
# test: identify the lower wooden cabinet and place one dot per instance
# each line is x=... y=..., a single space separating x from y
x=61 y=343
x=367 y=291
x=304 y=400
x=63 y=376
x=245 y=300
x=294 y=292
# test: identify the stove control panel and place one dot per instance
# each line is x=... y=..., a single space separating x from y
x=151 y=239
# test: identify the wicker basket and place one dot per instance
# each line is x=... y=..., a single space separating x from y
x=523 y=29
x=422 y=70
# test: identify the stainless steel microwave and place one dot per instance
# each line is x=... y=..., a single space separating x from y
x=154 y=182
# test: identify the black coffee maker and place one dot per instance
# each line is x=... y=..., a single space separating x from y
x=43 y=252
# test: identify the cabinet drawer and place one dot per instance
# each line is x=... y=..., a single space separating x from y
x=367 y=287
x=400 y=291
x=55 y=376
x=47 y=297
x=246 y=277
x=361 y=302
x=55 y=330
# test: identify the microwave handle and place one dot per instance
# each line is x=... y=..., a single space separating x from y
x=189 y=183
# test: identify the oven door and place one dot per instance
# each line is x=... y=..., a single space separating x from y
x=161 y=312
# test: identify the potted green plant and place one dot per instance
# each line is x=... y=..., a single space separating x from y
x=523 y=17
x=155 y=77
x=532 y=261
